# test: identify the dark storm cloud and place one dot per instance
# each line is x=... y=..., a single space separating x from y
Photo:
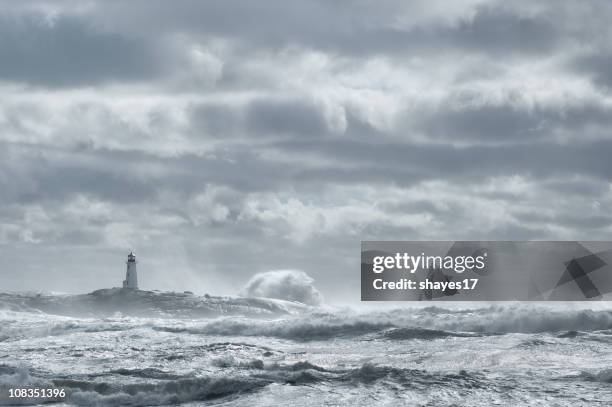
x=576 y=186
x=502 y=31
x=62 y=181
x=30 y=176
x=596 y=66
x=516 y=231
x=218 y=121
x=78 y=50
x=259 y=117
x=401 y=163
x=352 y=27
x=572 y=219
x=511 y=124
x=489 y=31
x=364 y=172
x=285 y=118
x=106 y=45
x=70 y=51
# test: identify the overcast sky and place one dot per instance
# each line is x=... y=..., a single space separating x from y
x=223 y=138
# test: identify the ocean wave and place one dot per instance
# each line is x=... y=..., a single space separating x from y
x=297 y=366
x=300 y=329
x=178 y=391
x=602 y=376
x=230 y=361
x=154 y=386
x=532 y=343
x=425 y=334
x=405 y=325
x=108 y=302
x=429 y=323
x=527 y=319
x=233 y=346
x=18 y=330
x=499 y=319
x=147 y=373
x=569 y=334
x=12 y=377
x=369 y=373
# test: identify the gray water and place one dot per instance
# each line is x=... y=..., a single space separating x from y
x=260 y=353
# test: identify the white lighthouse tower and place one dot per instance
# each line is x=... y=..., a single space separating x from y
x=131 y=278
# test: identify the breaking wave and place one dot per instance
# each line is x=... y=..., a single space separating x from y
x=159 y=393
x=322 y=326
x=15 y=330
x=603 y=376
x=408 y=324
x=301 y=329
x=499 y=319
x=425 y=334
x=290 y=285
x=369 y=373
x=289 y=321
x=162 y=388
x=139 y=303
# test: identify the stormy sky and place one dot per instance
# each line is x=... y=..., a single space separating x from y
x=223 y=138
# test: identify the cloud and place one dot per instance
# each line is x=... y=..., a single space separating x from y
x=68 y=51
x=355 y=27
x=597 y=66
x=507 y=123
x=285 y=118
x=291 y=285
x=263 y=119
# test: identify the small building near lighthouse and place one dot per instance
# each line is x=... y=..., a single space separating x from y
x=131 y=277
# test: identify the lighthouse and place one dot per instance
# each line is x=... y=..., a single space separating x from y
x=131 y=278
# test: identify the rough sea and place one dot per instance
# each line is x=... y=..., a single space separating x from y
x=148 y=348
